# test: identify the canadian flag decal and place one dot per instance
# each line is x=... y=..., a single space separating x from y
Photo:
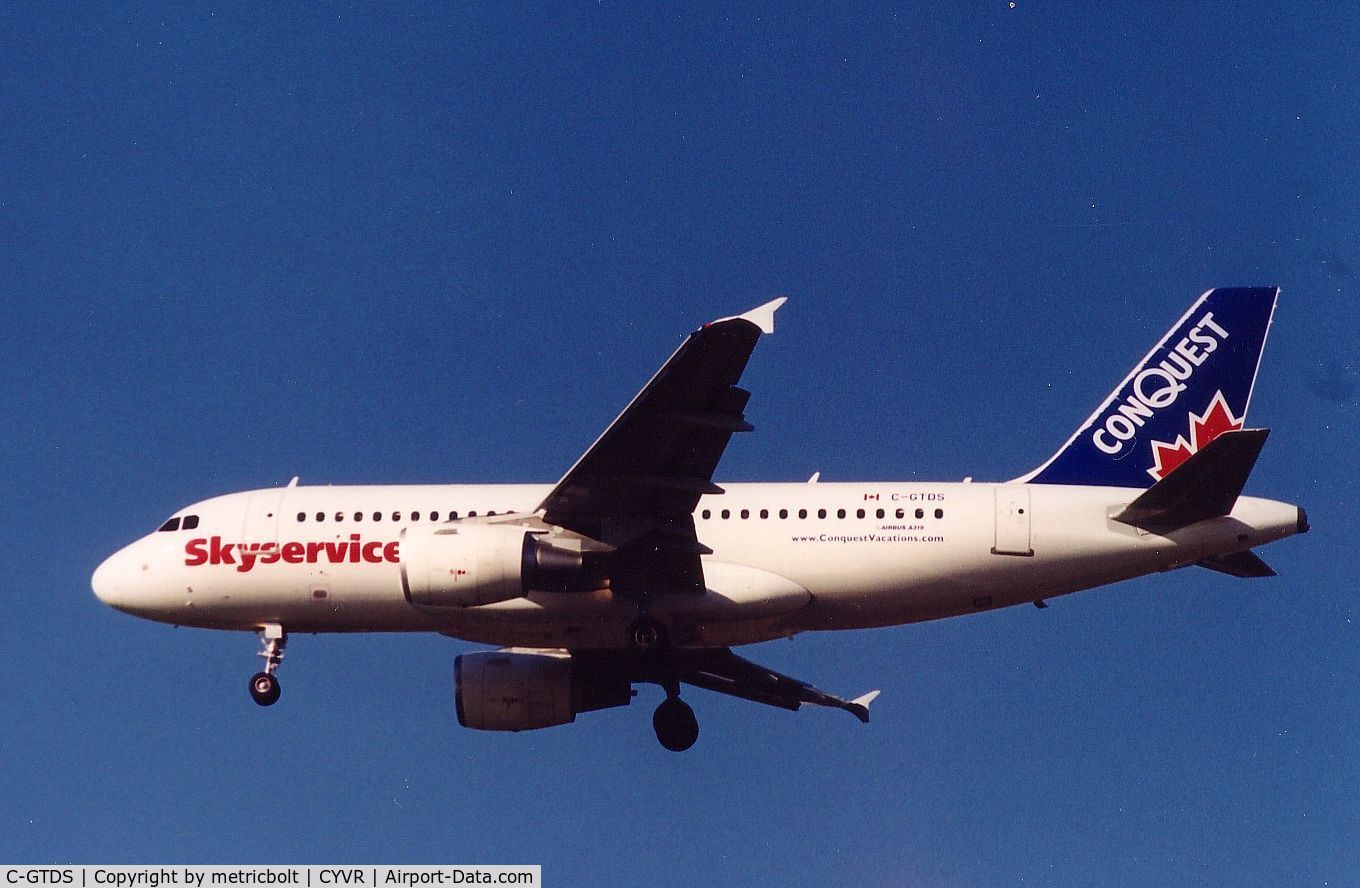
x=1204 y=427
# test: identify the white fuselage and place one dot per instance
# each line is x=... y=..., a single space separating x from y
x=786 y=558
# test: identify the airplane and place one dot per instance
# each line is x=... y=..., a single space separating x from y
x=636 y=567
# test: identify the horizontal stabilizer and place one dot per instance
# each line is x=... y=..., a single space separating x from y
x=1247 y=565
x=1205 y=486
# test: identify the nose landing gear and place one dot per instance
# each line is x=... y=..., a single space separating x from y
x=674 y=722
x=264 y=686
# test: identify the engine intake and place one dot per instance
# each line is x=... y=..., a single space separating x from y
x=467 y=565
x=523 y=691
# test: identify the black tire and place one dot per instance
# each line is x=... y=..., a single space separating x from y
x=646 y=635
x=264 y=689
x=675 y=724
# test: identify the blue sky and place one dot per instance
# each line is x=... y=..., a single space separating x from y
x=447 y=244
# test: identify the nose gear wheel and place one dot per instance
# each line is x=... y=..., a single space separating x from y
x=264 y=686
x=264 y=689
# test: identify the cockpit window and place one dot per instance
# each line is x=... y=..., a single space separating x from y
x=172 y=524
x=190 y=522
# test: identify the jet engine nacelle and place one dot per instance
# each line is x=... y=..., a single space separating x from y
x=466 y=565
x=522 y=691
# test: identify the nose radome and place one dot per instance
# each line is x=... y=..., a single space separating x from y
x=130 y=581
x=116 y=583
x=105 y=582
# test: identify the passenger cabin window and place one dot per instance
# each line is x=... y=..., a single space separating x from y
x=358 y=516
x=821 y=513
x=783 y=513
x=302 y=516
x=920 y=513
x=453 y=516
x=377 y=516
x=396 y=516
x=840 y=513
x=320 y=516
x=706 y=514
x=939 y=513
x=172 y=524
x=802 y=513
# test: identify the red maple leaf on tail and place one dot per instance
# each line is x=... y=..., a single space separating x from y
x=1204 y=427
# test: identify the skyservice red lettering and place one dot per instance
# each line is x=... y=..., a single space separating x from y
x=246 y=555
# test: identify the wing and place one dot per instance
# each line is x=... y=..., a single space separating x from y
x=636 y=487
x=720 y=670
x=723 y=671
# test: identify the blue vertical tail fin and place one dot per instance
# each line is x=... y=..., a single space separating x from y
x=1194 y=385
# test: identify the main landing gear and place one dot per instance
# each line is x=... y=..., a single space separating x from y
x=674 y=722
x=264 y=686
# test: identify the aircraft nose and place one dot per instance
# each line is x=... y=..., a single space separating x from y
x=105 y=581
x=112 y=582
x=135 y=580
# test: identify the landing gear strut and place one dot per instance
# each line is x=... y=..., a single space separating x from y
x=264 y=687
x=674 y=721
